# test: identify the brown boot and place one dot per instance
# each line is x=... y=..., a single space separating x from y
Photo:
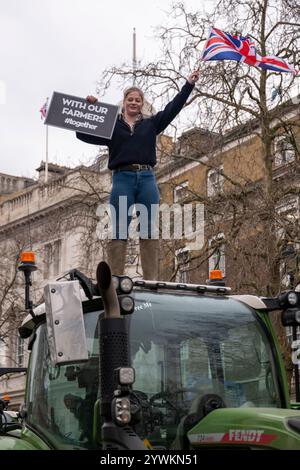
x=116 y=251
x=149 y=258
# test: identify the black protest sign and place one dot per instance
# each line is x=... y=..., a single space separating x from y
x=77 y=114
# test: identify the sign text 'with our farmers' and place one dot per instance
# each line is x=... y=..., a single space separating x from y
x=78 y=114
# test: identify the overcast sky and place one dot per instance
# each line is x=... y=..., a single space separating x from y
x=63 y=45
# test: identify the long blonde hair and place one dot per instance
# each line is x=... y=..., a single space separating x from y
x=147 y=110
x=130 y=90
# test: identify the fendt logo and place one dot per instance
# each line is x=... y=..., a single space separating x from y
x=235 y=436
x=240 y=435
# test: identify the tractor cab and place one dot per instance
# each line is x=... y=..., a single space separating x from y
x=190 y=351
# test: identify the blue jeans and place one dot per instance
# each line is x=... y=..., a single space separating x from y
x=131 y=188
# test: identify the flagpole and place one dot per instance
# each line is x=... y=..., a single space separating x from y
x=46 y=163
x=134 y=62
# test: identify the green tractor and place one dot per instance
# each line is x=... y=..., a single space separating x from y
x=153 y=365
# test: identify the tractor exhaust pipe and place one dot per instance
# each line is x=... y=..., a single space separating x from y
x=114 y=354
x=114 y=348
x=107 y=291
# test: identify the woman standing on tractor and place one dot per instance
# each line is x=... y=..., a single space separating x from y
x=132 y=156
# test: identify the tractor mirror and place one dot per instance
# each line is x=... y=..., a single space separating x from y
x=65 y=325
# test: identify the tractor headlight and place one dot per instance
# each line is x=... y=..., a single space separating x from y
x=289 y=299
x=126 y=304
x=121 y=411
x=122 y=284
x=291 y=317
x=126 y=285
x=292 y=298
x=125 y=375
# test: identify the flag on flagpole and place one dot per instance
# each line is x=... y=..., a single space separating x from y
x=43 y=112
x=224 y=46
x=44 y=109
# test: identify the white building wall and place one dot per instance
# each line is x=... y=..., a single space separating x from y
x=41 y=204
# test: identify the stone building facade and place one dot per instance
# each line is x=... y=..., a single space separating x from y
x=57 y=221
x=227 y=174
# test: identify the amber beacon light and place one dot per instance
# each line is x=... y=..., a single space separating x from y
x=27 y=257
x=27 y=266
x=216 y=278
x=215 y=274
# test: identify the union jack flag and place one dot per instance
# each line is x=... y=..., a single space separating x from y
x=224 y=46
x=44 y=109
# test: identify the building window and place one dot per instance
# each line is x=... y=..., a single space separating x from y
x=217 y=253
x=287 y=217
x=52 y=259
x=2 y=352
x=47 y=260
x=56 y=257
x=20 y=352
x=287 y=214
x=286 y=274
x=284 y=151
x=289 y=335
x=180 y=191
x=132 y=251
x=183 y=146
x=215 y=181
x=182 y=265
x=288 y=207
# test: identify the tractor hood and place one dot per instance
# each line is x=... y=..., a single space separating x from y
x=248 y=428
x=15 y=443
x=22 y=439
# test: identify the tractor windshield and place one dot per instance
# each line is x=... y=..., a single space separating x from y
x=183 y=347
